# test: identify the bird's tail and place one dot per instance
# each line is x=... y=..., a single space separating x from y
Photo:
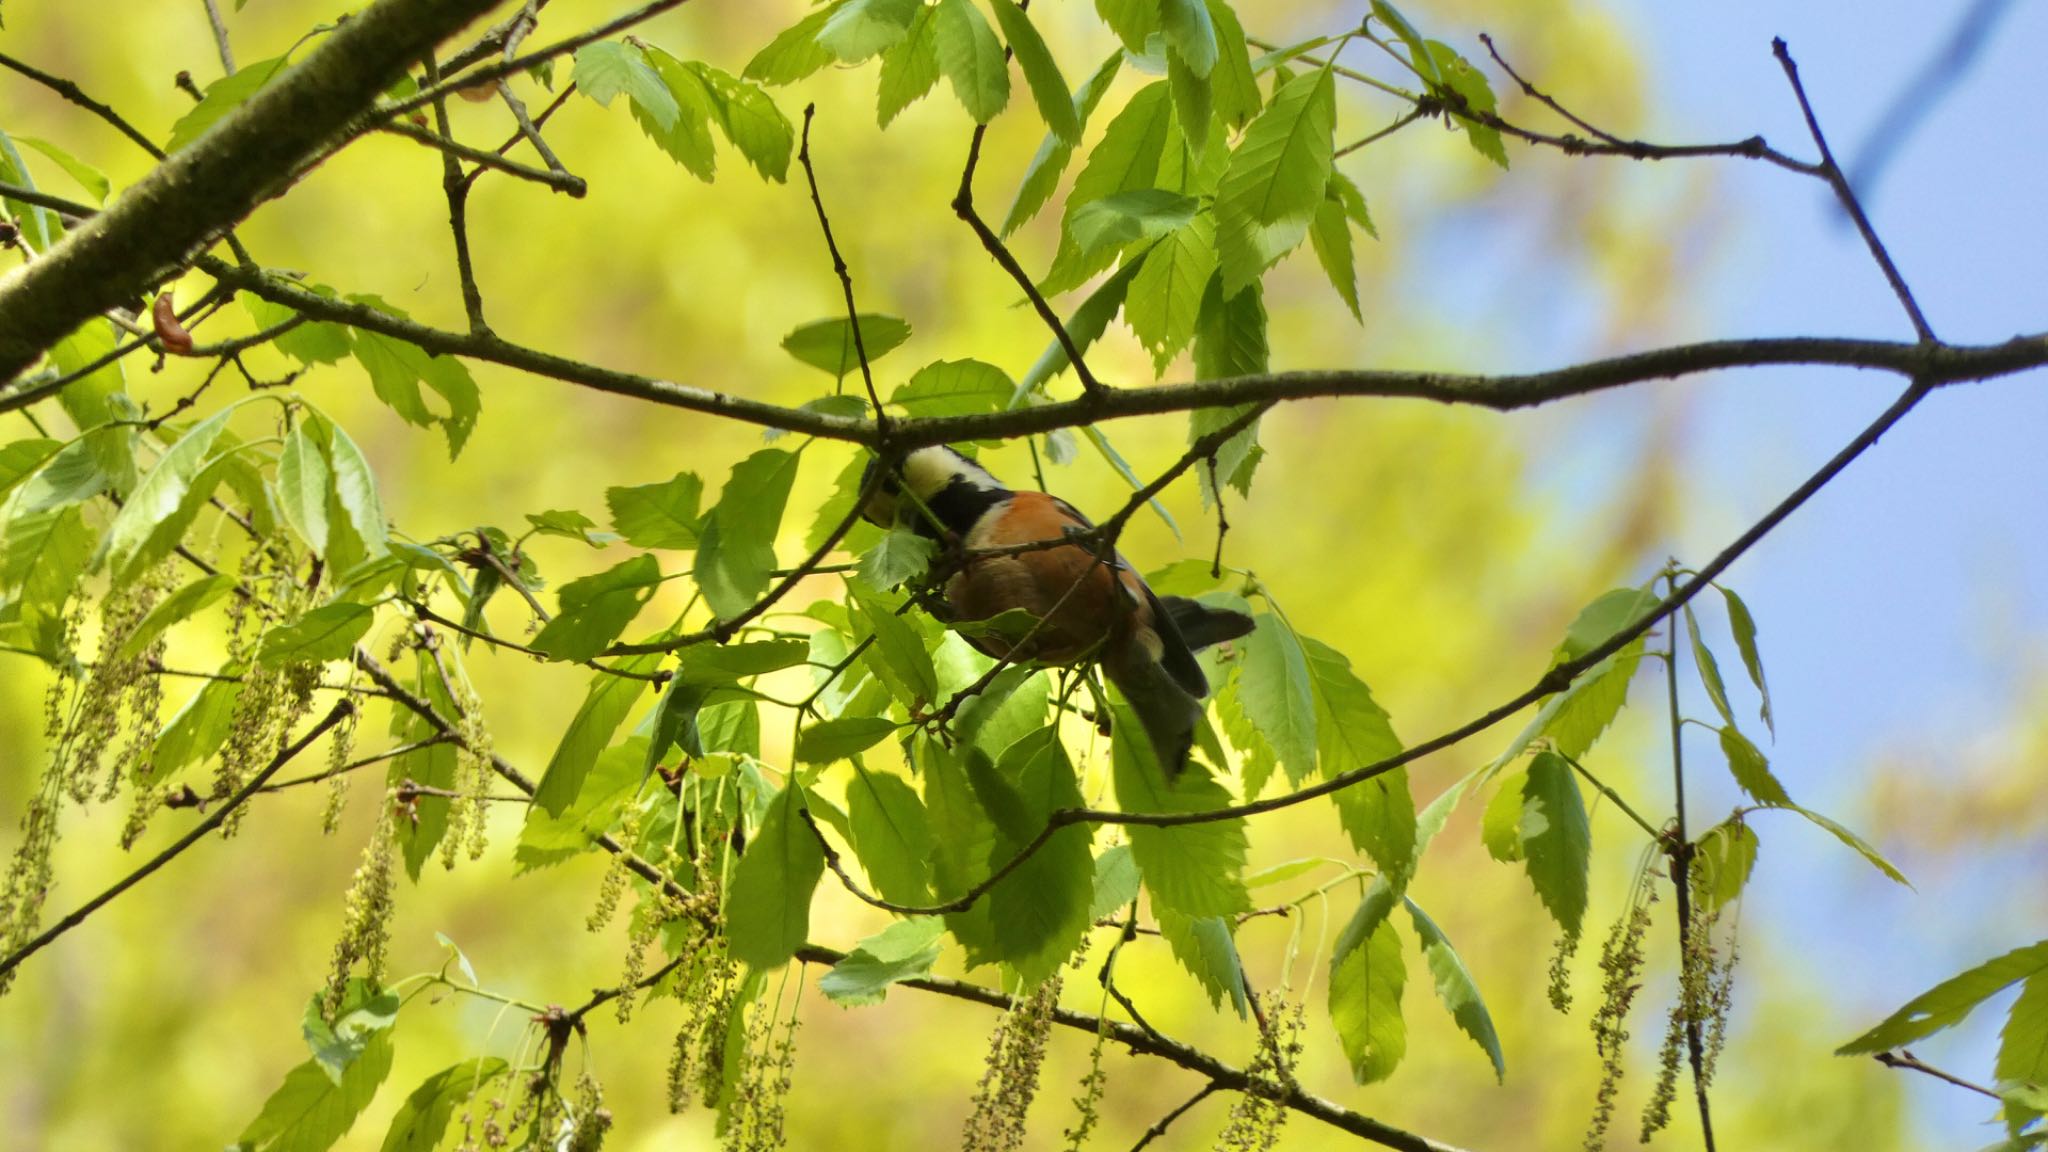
x=1168 y=713
x=1201 y=625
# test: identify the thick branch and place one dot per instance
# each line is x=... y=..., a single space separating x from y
x=205 y=188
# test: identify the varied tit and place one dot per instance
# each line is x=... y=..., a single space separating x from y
x=1089 y=607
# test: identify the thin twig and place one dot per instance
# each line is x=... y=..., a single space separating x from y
x=513 y=65
x=456 y=193
x=860 y=348
x=220 y=38
x=1911 y=1063
x=1832 y=173
x=563 y=182
x=1166 y=1121
x=351 y=766
x=213 y=820
x=72 y=92
x=530 y=131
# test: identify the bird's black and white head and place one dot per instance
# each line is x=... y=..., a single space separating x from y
x=932 y=488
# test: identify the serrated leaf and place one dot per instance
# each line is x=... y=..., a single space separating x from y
x=1116 y=882
x=1193 y=869
x=198 y=729
x=309 y=1112
x=795 y=52
x=904 y=950
x=135 y=537
x=909 y=68
x=1275 y=179
x=900 y=556
x=972 y=59
x=898 y=655
x=1329 y=234
x=569 y=524
x=1166 y=294
x=1417 y=50
x=1041 y=73
x=355 y=489
x=2022 y=1065
x=1039 y=912
x=1751 y=770
x=1042 y=175
x=1122 y=217
x=423 y=1119
x=546 y=840
x=828 y=346
x=1230 y=334
x=1132 y=20
x=861 y=28
x=328 y=632
x=749 y=118
x=178 y=606
x=1206 y=951
x=1277 y=697
x=1469 y=83
x=1084 y=327
x=313 y=342
x=1193 y=110
x=736 y=551
x=891 y=835
x=303 y=484
x=98 y=397
x=607 y=68
x=596 y=609
x=1125 y=159
x=1352 y=730
x=1947 y=1003
x=1557 y=843
x=1366 y=979
x=1860 y=845
x=1234 y=91
x=1722 y=861
x=955 y=388
x=830 y=740
x=1709 y=670
x=658 y=515
x=88 y=177
x=605 y=706
x=1456 y=988
x=768 y=911
x=1743 y=625
x=686 y=133
x=222 y=97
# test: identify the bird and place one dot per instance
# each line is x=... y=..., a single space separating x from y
x=1087 y=605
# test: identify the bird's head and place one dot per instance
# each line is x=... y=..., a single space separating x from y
x=936 y=480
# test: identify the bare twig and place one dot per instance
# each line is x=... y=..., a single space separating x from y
x=1166 y=1121
x=456 y=191
x=559 y=180
x=220 y=37
x=198 y=831
x=72 y=92
x=353 y=765
x=860 y=348
x=513 y=65
x=1906 y=1061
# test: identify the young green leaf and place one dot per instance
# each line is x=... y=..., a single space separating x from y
x=134 y=539
x=1193 y=108
x=1134 y=21
x=795 y=52
x=686 y=134
x=658 y=515
x=1751 y=770
x=1556 y=840
x=898 y=655
x=827 y=345
x=891 y=835
x=1041 y=73
x=955 y=388
x=1709 y=670
x=1456 y=988
x=199 y=728
x=303 y=484
x=737 y=550
x=1193 y=869
x=2022 y=1066
x=1277 y=696
x=222 y=97
x=900 y=556
x=1234 y=91
x=1945 y=1004
x=830 y=740
x=595 y=609
x=768 y=911
x=1205 y=949
x=355 y=489
x=1116 y=882
x=749 y=118
x=607 y=68
x=547 y=840
x=910 y=67
x=88 y=177
x=1744 y=626
x=569 y=524
x=904 y=950
x=1042 y=175
x=1861 y=846
x=1039 y=912
x=1276 y=179
x=1190 y=34
x=1122 y=217
x=972 y=58
x=1469 y=85
x=604 y=708
x=1329 y=234
x=1418 y=51
x=328 y=632
x=1352 y=730
x=312 y=342
x=179 y=605
x=1166 y=295
x=1126 y=159
x=861 y=28
x=423 y=1119
x=1366 y=978
x=310 y=1111
x=1722 y=861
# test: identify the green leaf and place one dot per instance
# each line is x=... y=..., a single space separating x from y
x=768 y=911
x=737 y=550
x=1722 y=861
x=1352 y=730
x=1041 y=73
x=423 y=1119
x=198 y=729
x=328 y=632
x=1234 y=91
x=88 y=177
x=1469 y=84
x=830 y=740
x=680 y=127
x=313 y=342
x=303 y=484
x=222 y=97
x=355 y=489
x=1861 y=846
x=364 y=1013
x=1205 y=949
x=179 y=605
x=1040 y=910
x=612 y=783
x=310 y=1112
x=795 y=53
x=749 y=118
x=433 y=766
x=1744 y=626
x=1574 y=718
x=972 y=59
x=861 y=28
x=827 y=345
x=1456 y=988
x=1710 y=672
x=595 y=609
x=1329 y=234
x=1132 y=20
x=1042 y=175
x=43 y=556
x=1122 y=217
x=963 y=839
x=2022 y=1067
x=659 y=515
x=904 y=950
x=955 y=388
x=1417 y=50
x=1126 y=159
x=97 y=398
x=898 y=655
x=1277 y=697
x=1366 y=979
x=1166 y=294
x=607 y=68
x=1276 y=179
x=1557 y=842
x=1116 y=882
x=1947 y=1003
x=1193 y=869
x=569 y=524
x=1230 y=340
x=1190 y=33
x=604 y=708
x=909 y=68
x=1751 y=770
x=136 y=538
x=1084 y=327
x=891 y=835
x=725 y=663
x=900 y=556
x=397 y=368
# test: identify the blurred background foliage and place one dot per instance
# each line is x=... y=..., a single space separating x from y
x=1442 y=550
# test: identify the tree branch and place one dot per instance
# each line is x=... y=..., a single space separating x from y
x=193 y=197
